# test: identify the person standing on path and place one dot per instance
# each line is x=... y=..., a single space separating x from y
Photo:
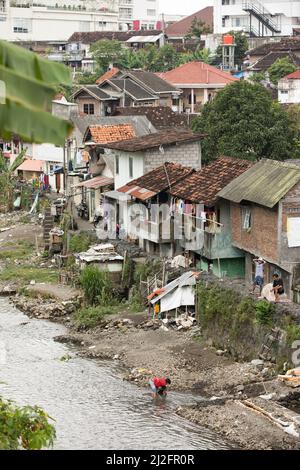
x=259 y=274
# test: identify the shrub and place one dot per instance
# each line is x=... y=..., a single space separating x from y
x=293 y=333
x=24 y=428
x=92 y=316
x=96 y=285
x=79 y=243
x=264 y=312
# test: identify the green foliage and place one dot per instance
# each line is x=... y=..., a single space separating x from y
x=280 y=68
x=27 y=108
x=135 y=303
x=106 y=52
x=24 y=427
x=244 y=122
x=167 y=59
x=240 y=50
x=92 y=316
x=202 y=55
x=14 y=251
x=147 y=269
x=96 y=285
x=293 y=112
x=293 y=333
x=265 y=312
x=198 y=27
x=258 y=77
x=79 y=243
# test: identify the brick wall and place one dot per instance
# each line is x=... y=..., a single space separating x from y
x=187 y=154
x=262 y=239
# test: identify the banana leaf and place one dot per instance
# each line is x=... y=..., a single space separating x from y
x=29 y=88
x=32 y=126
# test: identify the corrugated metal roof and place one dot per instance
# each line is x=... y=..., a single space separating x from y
x=136 y=191
x=96 y=183
x=265 y=183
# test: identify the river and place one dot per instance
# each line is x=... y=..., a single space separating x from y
x=91 y=404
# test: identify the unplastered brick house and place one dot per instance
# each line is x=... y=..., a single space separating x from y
x=265 y=219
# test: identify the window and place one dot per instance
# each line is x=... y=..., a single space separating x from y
x=117 y=165
x=89 y=108
x=130 y=167
x=22 y=25
x=246 y=219
x=151 y=12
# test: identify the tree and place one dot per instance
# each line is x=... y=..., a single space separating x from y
x=24 y=428
x=167 y=59
x=243 y=122
x=27 y=86
x=106 y=52
x=293 y=113
x=280 y=69
x=202 y=55
x=86 y=78
x=240 y=50
x=197 y=29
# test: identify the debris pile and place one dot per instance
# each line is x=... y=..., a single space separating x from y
x=47 y=308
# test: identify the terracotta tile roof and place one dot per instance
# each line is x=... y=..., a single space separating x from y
x=157 y=180
x=162 y=117
x=197 y=73
x=204 y=185
x=150 y=141
x=107 y=75
x=107 y=134
x=293 y=75
x=181 y=28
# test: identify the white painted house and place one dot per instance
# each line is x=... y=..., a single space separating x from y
x=55 y=20
x=260 y=18
x=289 y=88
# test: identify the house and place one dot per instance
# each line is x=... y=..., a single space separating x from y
x=265 y=62
x=141 y=88
x=135 y=157
x=265 y=218
x=178 y=31
x=199 y=82
x=31 y=170
x=145 y=213
x=91 y=100
x=289 y=88
x=203 y=226
x=135 y=88
x=100 y=168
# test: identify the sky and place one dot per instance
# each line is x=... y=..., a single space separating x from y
x=182 y=7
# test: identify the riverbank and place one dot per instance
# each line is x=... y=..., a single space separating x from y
x=145 y=349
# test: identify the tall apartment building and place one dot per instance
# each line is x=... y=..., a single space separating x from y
x=259 y=18
x=55 y=20
x=139 y=14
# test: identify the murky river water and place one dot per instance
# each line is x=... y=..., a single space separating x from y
x=92 y=406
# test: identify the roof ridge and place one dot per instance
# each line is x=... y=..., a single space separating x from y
x=280 y=163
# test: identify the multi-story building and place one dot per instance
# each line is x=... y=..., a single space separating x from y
x=55 y=20
x=258 y=18
x=138 y=14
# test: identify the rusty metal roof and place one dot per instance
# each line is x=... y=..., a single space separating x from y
x=96 y=183
x=136 y=191
x=265 y=183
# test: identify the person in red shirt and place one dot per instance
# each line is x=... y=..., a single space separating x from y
x=159 y=386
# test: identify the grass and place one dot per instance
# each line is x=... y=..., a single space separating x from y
x=91 y=316
x=24 y=274
x=18 y=250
